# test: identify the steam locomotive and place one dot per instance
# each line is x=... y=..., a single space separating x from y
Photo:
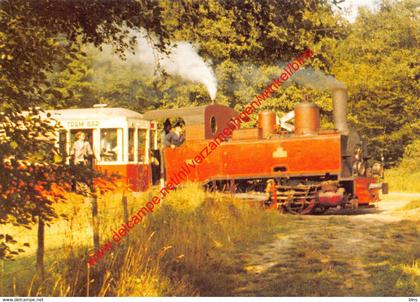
x=302 y=170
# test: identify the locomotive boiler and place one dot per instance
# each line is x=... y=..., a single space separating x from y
x=303 y=169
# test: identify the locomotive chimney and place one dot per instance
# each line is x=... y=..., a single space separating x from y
x=339 y=96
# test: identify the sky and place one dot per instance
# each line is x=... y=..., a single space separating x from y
x=350 y=7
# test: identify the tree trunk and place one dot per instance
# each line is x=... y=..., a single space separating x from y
x=41 y=249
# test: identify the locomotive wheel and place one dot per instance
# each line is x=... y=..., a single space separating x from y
x=303 y=207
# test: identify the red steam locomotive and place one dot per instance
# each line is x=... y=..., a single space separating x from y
x=303 y=170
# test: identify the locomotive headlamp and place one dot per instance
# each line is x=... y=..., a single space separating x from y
x=358 y=153
x=361 y=168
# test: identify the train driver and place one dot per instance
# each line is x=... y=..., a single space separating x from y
x=167 y=127
x=175 y=137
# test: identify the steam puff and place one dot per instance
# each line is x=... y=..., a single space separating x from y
x=317 y=80
x=183 y=60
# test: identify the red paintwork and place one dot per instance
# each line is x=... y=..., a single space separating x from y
x=137 y=176
x=365 y=196
x=252 y=154
x=306 y=155
x=330 y=199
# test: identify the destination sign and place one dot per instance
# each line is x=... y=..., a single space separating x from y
x=83 y=124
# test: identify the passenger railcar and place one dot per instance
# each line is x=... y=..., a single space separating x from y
x=122 y=141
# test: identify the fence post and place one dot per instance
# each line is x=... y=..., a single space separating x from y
x=88 y=280
x=41 y=248
x=2 y=279
x=125 y=209
x=95 y=221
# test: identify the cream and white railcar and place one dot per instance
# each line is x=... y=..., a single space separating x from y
x=122 y=141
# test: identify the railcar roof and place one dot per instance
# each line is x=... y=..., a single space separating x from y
x=94 y=113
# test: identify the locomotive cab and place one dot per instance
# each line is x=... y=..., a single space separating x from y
x=121 y=140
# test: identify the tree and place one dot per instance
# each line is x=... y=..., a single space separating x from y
x=241 y=60
x=258 y=31
x=38 y=38
x=378 y=62
x=29 y=183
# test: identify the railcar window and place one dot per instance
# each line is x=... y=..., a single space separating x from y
x=131 y=144
x=109 y=144
x=152 y=139
x=142 y=135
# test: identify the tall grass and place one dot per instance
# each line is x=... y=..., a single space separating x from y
x=406 y=176
x=401 y=180
x=177 y=250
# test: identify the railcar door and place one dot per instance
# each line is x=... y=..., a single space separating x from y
x=156 y=165
x=154 y=158
x=88 y=138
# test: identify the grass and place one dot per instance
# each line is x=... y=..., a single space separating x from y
x=333 y=259
x=406 y=176
x=396 y=267
x=412 y=205
x=209 y=244
x=178 y=250
x=400 y=180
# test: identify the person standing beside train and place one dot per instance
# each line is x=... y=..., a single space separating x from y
x=81 y=156
x=81 y=153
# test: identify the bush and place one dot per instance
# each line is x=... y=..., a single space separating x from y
x=406 y=177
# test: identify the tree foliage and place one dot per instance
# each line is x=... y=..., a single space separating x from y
x=379 y=63
x=258 y=31
x=50 y=57
x=29 y=182
x=246 y=42
x=38 y=38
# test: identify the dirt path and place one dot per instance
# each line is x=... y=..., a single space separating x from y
x=348 y=253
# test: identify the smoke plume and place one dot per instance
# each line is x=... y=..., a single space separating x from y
x=183 y=60
x=316 y=79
